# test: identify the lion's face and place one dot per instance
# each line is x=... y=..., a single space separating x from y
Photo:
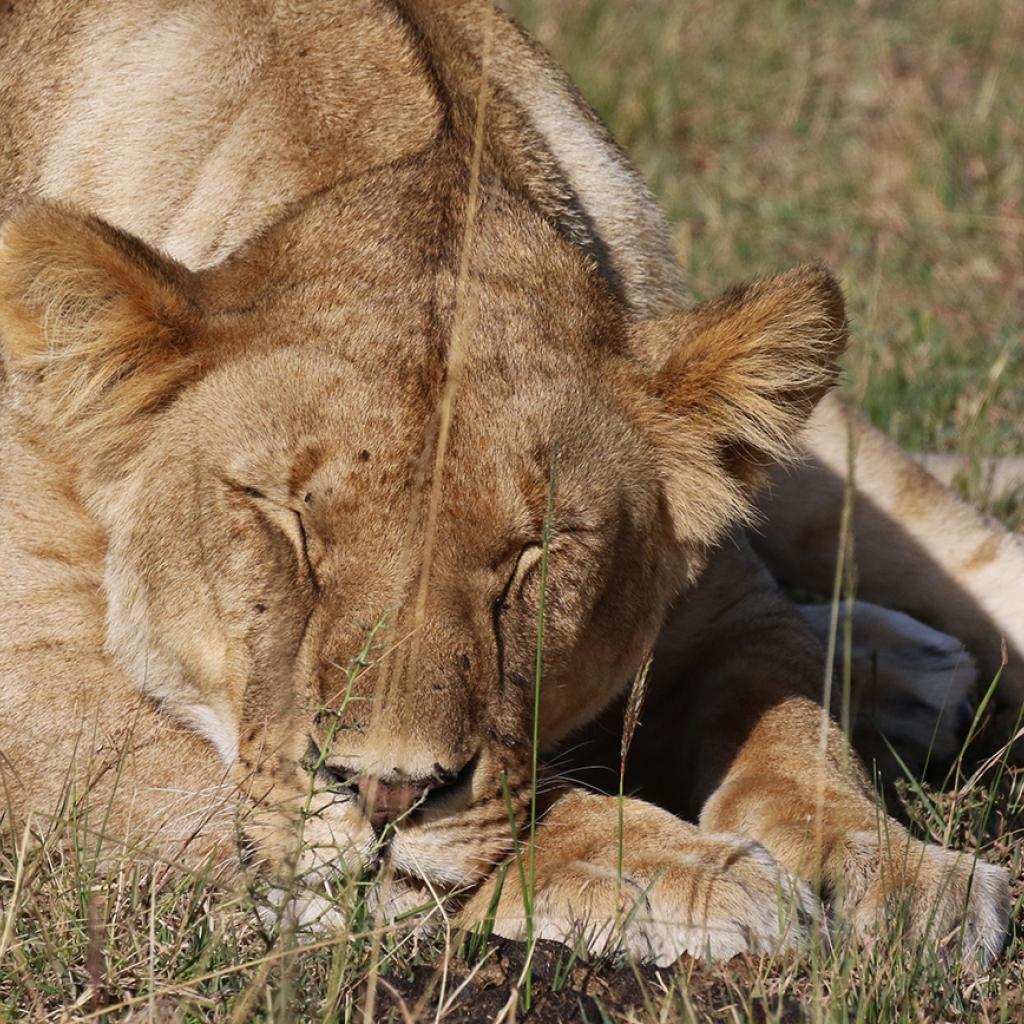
x=326 y=506
x=306 y=590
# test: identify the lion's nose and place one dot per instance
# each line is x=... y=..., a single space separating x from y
x=385 y=801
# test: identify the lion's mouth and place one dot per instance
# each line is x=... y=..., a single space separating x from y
x=456 y=828
x=390 y=803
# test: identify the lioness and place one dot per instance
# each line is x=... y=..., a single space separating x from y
x=349 y=386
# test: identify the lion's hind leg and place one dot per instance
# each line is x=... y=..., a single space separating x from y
x=911 y=688
x=678 y=890
x=916 y=545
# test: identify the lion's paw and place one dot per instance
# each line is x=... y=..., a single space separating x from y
x=718 y=897
x=913 y=684
x=924 y=894
x=302 y=913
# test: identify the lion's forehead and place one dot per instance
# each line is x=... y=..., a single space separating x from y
x=510 y=357
x=501 y=454
x=387 y=270
x=363 y=425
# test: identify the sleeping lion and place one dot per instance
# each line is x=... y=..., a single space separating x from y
x=358 y=440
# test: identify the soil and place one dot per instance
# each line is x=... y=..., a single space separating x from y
x=562 y=991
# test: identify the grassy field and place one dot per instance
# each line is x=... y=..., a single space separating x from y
x=883 y=136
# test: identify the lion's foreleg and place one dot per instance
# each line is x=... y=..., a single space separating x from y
x=795 y=787
x=738 y=710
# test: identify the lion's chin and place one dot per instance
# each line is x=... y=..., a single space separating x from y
x=404 y=874
x=407 y=880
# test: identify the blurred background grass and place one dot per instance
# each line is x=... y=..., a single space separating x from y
x=884 y=137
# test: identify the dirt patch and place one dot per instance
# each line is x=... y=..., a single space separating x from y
x=562 y=990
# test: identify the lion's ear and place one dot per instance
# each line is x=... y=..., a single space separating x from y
x=97 y=326
x=736 y=379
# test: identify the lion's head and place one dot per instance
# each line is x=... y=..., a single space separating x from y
x=325 y=469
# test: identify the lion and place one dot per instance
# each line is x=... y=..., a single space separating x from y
x=360 y=444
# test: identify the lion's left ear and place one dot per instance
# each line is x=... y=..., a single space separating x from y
x=97 y=327
x=734 y=381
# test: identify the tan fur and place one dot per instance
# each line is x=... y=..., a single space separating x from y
x=220 y=423
x=917 y=547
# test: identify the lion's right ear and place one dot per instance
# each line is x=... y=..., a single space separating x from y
x=98 y=327
x=736 y=378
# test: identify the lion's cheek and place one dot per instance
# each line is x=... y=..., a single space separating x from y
x=315 y=842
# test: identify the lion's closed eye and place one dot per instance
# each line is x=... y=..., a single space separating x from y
x=547 y=567
x=286 y=519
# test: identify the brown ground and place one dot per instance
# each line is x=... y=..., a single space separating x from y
x=560 y=991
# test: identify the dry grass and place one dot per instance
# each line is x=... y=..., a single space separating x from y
x=884 y=137
x=133 y=943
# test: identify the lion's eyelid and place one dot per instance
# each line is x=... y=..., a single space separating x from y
x=302 y=538
x=304 y=543
x=247 y=489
